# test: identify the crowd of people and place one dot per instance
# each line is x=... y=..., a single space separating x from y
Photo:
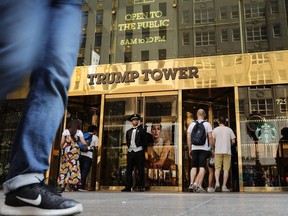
x=209 y=148
x=76 y=161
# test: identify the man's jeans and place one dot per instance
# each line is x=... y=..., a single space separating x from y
x=39 y=38
x=85 y=165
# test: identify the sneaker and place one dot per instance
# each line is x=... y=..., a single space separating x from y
x=193 y=187
x=225 y=189
x=38 y=199
x=210 y=190
x=126 y=189
x=217 y=188
x=200 y=190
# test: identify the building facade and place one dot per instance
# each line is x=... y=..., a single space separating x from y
x=166 y=59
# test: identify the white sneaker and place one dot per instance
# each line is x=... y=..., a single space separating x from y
x=225 y=189
x=200 y=190
x=193 y=187
x=210 y=190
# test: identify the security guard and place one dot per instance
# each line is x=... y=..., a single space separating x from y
x=136 y=142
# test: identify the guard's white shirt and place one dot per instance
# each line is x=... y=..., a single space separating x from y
x=133 y=146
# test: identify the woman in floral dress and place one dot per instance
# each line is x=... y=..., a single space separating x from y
x=69 y=175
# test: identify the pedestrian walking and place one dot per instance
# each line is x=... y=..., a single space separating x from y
x=39 y=39
x=198 y=134
x=223 y=138
x=86 y=157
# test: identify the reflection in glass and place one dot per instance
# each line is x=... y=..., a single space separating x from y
x=264 y=135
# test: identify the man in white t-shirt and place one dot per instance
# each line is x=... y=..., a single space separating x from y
x=198 y=154
x=86 y=157
x=223 y=138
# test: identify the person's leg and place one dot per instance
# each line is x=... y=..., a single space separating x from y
x=218 y=165
x=195 y=165
x=226 y=168
x=86 y=165
x=48 y=95
x=140 y=167
x=22 y=24
x=130 y=166
x=211 y=177
x=202 y=166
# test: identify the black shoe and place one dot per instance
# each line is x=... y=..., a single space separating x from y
x=126 y=189
x=38 y=199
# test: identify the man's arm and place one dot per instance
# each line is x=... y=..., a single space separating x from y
x=189 y=143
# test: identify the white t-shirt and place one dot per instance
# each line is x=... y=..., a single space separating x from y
x=208 y=129
x=94 y=142
x=223 y=136
x=66 y=132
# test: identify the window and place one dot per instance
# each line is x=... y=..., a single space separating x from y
x=223 y=13
x=276 y=31
x=98 y=39
x=127 y=56
x=262 y=106
x=236 y=35
x=254 y=10
x=234 y=12
x=205 y=38
x=163 y=8
x=163 y=32
x=85 y=18
x=162 y=54
x=129 y=35
x=145 y=55
x=241 y=107
x=99 y=17
x=274 y=7
x=146 y=8
x=129 y=10
x=186 y=39
x=204 y=16
x=186 y=16
x=224 y=36
x=145 y=33
x=258 y=33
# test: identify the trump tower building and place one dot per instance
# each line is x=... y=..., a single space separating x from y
x=165 y=59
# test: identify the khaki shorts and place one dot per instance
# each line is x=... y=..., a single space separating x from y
x=224 y=159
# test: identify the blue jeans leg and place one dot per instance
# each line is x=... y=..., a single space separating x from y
x=47 y=98
x=85 y=165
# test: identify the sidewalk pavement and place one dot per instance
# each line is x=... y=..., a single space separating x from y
x=105 y=203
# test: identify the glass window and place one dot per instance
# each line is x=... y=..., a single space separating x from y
x=205 y=38
x=204 y=16
x=99 y=17
x=258 y=33
x=161 y=125
x=254 y=10
x=185 y=16
x=274 y=7
x=264 y=135
x=276 y=31
x=234 y=12
x=163 y=8
x=186 y=38
x=162 y=54
x=127 y=56
x=145 y=55
x=223 y=13
x=236 y=35
x=98 y=39
x=224 y=36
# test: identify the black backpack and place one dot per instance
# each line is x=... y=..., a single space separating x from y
x=198 y=135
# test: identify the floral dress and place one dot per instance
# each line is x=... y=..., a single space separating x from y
x=69 y=173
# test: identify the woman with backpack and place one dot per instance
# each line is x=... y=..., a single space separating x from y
x=69 y=175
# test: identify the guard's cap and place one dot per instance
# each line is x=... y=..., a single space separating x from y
x=134 y=116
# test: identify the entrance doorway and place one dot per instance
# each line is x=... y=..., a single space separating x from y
x=216 y=102
x=159 y=117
